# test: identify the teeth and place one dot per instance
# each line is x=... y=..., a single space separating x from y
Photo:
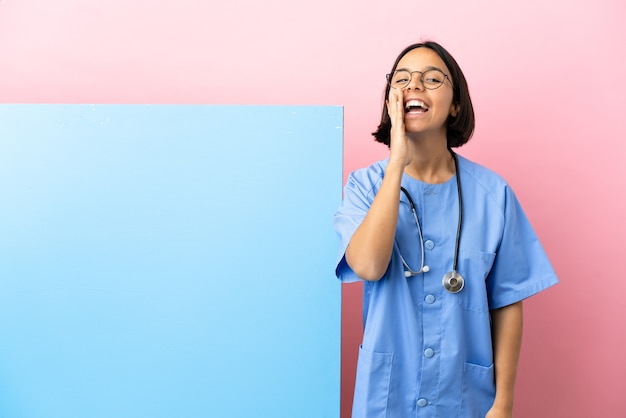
x=415 y=103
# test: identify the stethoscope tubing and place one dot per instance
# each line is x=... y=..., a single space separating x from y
x=423 y=268
x=460 y=220
x=453 y=282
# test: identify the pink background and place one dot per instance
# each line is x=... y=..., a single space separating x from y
x=547 y=84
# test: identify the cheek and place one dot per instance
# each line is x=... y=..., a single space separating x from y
x=445 y=105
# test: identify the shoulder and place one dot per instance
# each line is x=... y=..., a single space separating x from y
x=482 y=180
x=368 y=179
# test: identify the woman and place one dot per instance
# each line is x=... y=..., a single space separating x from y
x=443 y=284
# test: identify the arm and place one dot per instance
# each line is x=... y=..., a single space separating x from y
x=507 y=340
x=370 y=247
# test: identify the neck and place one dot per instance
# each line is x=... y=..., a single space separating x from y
x=432 y=165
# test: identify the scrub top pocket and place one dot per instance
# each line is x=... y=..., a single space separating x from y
x=475 y=266
x=372 y=384
x=479 y=390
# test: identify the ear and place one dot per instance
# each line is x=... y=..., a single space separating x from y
x=455 y=109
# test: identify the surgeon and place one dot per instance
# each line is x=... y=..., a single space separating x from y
x=445 y=252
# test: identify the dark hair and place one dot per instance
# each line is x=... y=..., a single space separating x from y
x=459 y=128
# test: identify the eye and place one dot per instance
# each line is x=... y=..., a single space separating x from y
x=400 y=78
x=434 y=77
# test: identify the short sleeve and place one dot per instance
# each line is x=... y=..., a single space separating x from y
x=358 y=196
x=521 y=267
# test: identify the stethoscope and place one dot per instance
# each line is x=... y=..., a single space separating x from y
x=452 y=281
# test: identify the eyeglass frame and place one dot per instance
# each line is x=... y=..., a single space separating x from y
x=421 y=79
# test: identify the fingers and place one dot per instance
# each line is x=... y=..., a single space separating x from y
x=395 y=107
x=398 y=141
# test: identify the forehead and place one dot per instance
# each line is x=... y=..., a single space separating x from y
x=421 y=58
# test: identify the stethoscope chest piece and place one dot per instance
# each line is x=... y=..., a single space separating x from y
x=453 y=282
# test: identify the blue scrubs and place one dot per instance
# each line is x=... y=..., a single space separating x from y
x=427 y=352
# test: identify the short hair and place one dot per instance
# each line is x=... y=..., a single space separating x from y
x=459 y=128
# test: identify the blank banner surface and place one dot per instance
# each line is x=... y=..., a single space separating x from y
x=169 y=261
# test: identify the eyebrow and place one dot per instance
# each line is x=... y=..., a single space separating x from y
x=430 y=67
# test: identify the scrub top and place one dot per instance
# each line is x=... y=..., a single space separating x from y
x=427 y=352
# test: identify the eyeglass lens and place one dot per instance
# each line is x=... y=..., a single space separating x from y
x=430 y=79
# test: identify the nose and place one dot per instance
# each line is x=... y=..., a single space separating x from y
x=416 y=82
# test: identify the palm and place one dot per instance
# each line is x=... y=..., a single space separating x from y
x=399 y=144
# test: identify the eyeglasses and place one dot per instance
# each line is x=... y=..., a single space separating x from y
x=431 y=79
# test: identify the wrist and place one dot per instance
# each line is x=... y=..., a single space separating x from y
x=503 y=403
x=395 y=167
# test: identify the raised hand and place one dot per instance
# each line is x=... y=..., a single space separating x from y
x=399 y=142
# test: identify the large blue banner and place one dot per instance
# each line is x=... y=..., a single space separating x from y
x=169 y=261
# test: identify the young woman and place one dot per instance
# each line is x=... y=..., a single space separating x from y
x=445 y=252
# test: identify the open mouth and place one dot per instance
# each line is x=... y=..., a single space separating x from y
x=415 y=106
